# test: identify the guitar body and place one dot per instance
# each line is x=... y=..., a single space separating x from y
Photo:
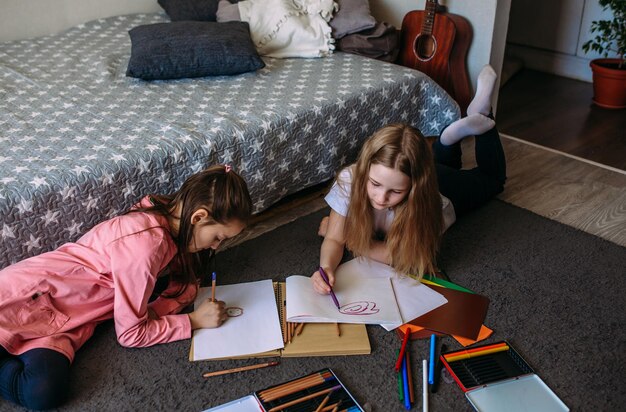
x=437 y=45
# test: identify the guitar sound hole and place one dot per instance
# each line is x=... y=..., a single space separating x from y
x=425 y=47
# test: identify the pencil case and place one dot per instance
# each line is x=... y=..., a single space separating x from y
x=495 y=377
x=307 y=392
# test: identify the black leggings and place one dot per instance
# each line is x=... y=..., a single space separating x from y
x=36 y=379
x=471 y=188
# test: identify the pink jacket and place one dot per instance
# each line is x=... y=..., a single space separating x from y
x=56 y=299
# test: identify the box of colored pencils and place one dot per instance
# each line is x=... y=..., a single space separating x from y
x=495 y=377
x=318 y=391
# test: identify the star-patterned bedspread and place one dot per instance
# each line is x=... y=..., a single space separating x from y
x=81 y=142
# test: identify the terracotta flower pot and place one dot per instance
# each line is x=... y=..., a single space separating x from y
x=609 y=83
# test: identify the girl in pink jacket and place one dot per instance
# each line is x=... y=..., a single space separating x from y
x=50 y=304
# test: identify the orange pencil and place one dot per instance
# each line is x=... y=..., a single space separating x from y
x=240 y=369
x=295 y=386
x=477 y=349
x=299 y=329
x=467 y=355
x=336 y=408
x=315 y=376
x=323 y=403
x=304 y=398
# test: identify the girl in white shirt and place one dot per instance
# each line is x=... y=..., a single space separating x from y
x=396 y=201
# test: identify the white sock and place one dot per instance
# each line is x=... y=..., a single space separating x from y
x=481 y=103
x=471 y=125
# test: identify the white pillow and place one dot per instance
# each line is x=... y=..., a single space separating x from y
x=289 y=28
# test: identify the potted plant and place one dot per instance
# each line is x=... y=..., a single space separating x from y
x=609 y=74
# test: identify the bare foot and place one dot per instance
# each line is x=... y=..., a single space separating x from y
x=323 y=227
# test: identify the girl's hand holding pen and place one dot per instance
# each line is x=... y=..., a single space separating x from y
x=208 y=315
x=320 y=285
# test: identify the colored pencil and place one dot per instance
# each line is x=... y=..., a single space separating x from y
x=410 y=376
x=438 y=366
x=431 y=366
x=241 y=369
x=338 y=329
x=323 y=403
x=468 y=355
x=425 y=385
x=477 y=349
x=213 y=281
x=402 y=349
x=320 y=377
x=332 y=294
x=288 y=332
x=337 y=405
x=304 y=398
x=295 y=386
x=299 y=329
x=405 y=384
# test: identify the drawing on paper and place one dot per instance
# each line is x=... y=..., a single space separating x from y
x=359 y=308
x=234 y=311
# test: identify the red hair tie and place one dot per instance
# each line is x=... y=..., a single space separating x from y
x=227 y=168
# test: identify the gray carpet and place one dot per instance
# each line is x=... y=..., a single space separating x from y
x=557 y=295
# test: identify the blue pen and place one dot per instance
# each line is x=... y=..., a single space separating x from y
x=405 y=381
x=332 y=294
x=431 y=367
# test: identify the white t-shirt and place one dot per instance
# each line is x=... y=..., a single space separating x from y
x=338 y=198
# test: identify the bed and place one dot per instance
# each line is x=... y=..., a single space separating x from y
x=80 y=141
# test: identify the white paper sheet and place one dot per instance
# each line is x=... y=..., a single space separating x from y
x=256 y=330
x=362 y=300
x=414 y=299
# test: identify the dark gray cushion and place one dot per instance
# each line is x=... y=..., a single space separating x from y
x=353 y=16
x=199 y=10
x=191 y=49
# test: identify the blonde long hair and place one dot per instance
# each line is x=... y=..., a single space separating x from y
x=415 y=233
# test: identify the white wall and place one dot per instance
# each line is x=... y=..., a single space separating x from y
x=22 y=19
x=548 y=36
x=30 y=18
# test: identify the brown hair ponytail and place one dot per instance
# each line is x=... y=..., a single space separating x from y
x=219 y=190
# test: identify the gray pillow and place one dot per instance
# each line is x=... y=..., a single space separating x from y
x=353 y=16
x=199 y=10
x=380 y=42
x=191 y=49
x=227 y=11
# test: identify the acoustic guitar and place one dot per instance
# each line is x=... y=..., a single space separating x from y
x=437 y=43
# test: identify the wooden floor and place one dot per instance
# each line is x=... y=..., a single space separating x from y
x=566 y=157
x=556 y=112
x=569 y=190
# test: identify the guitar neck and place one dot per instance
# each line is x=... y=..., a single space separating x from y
x=429 y=18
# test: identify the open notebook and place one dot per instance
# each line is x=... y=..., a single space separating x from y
x=257 y=328
x=368 y=292
x=361 y=299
